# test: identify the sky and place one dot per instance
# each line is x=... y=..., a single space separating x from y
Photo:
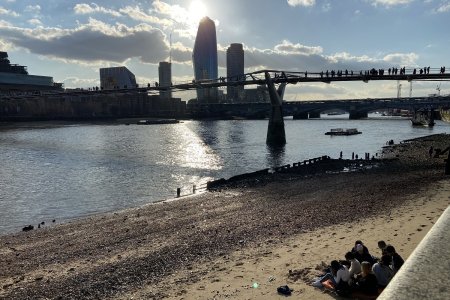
x=71 y=39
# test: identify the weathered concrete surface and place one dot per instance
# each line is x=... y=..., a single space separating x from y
x=93 y=105
x=425 y=274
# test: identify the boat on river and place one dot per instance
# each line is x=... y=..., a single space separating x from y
x=343 y=131
x=157 y=121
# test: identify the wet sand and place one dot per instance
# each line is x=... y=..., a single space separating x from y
x=218 y=244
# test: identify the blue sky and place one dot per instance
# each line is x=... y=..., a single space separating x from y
x=70 y=40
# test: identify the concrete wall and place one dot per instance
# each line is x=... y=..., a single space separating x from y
x=89 y=106
x=425 y=274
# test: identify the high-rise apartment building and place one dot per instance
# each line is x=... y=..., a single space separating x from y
x=204 y=59
x=116 y=78
x=165 y=78
x=235 y=71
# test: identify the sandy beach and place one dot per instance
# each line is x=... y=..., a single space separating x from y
x=236 y=242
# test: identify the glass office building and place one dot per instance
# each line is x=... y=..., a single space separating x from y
x=204 y=59
x=235 y=71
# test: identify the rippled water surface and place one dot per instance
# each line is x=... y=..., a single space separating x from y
x=72 y=171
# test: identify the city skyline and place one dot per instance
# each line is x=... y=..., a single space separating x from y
x=72 y=40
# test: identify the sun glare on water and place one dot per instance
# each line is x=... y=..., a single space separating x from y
x=197 y=11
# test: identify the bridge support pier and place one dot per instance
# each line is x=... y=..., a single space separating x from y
x=276 y=135
x=314 y=115
x=300 y=116
x=355 y=115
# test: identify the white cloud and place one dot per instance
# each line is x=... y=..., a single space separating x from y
x=347 y=57
x=8 y=12
x=402 y=59
x=445 y=7
x=301 y=2
x=136 y=13
x=389 y=3
x=286 y=47
x=94 y=41
x=84 y=9
x=33 y=8
x=35 y=22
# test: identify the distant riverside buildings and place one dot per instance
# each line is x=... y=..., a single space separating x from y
x=16 y=77
x=258 y=95
x=116 y=78
x=204 y=59
x=235 y=71
x=165 y=78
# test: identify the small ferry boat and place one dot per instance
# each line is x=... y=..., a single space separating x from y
x=343 y=131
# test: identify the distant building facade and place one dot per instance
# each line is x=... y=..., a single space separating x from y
x=235 y=71
x=258 y=95
x=165 y=78
x=204 y=59
x=116 y=78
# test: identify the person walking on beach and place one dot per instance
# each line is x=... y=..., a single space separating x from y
x=430 y=151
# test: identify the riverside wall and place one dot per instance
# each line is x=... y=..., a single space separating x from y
x=89 y=107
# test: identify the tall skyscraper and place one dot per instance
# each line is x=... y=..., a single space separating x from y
x=235 y=70
x=204 y=59
x=165 y=78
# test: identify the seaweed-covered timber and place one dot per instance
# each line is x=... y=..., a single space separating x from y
x=319 y=165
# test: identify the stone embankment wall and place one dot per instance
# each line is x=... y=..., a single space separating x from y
x=89 y=106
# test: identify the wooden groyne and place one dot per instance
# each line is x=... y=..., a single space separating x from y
x=318 y=165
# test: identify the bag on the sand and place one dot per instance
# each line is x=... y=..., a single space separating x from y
x=284 y=290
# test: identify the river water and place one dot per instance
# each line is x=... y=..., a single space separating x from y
x=65 y=172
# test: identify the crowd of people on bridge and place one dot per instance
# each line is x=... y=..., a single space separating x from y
x=377 y=72
x=361 y=274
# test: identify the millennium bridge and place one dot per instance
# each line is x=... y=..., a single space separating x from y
x=278 y=108
x=276 y=133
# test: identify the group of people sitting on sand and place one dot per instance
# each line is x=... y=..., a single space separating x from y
x=361 y=274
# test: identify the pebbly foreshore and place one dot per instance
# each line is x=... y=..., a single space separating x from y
x=155 y=251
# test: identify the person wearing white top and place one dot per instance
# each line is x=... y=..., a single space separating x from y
x=355 y=265
x=339 y=276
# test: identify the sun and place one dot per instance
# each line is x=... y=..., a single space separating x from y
x=197 y=10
